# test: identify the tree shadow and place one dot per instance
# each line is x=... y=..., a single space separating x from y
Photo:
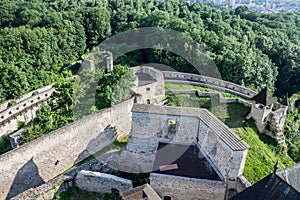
x=27 y=177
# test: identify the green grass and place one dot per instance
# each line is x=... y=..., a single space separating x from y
x=262 y=155
x=74 y=193
x=173 y=86
x=231 y=113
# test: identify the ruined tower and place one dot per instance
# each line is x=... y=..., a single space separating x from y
x=269 y=115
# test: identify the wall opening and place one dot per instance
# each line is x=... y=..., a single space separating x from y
x=148 y=101
x=172 y=126
x=148 y=89
x=167 y=198
x=144 y=195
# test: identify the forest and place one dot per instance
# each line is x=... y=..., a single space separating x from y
x=39 y=38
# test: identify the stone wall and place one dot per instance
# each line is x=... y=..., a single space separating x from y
x=152 y=124
x=23 y=110
x=48 y=190
x=101 y=182
x=210 y=94
x=133 y=162
x=230 y=163
x=150 y=87
x=179 y=188
x=7 y=104
x=44 y=158
x=193 y=79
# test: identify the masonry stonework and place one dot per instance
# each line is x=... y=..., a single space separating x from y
x=101 y=182
x=179 y=188
x=41 y=160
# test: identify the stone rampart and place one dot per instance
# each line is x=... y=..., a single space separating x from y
x=23 y=110
x=193 y=79
x=44 y=158
x=210 y=94
x=9 y=103
x=179 y=188
x=101 y=182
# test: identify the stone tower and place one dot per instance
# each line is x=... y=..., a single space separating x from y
x=269 y=115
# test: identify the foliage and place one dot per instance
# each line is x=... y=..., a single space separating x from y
x=38 y=38
x=292 y=129
x=57 y=113
x=74 y=193
x=114 y=87
x=72 y=96
x=5 y=145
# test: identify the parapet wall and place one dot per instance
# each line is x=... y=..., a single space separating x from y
x=44 y=158
x=193 y=79
x=23 y=110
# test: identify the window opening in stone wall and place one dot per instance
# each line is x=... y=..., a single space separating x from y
x=144 y=195
x=167 y=198
x=148 y=101
x=172 y=126
x=148 y=89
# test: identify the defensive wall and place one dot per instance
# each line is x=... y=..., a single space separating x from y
x=214 y=83
x=44 y=158
x=221 y=100
x=23 y=110
x=8 y=103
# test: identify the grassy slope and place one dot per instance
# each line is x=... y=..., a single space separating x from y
x=262 y=155
x=263 y=152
